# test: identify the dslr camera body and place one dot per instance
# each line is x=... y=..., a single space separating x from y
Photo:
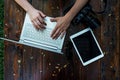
x=85 y=16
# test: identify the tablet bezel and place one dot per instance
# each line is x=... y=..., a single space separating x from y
x=93 y=59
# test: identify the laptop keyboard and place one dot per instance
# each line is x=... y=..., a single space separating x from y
x=41 y=36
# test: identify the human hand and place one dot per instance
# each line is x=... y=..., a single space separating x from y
x=61 y=27
x=37 y=17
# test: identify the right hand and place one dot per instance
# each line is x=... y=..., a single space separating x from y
x=37 y=17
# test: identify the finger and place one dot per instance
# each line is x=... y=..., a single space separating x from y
x=57 y=34
x=53 y=19
x=35 y=25
x=38 y=22
x=42 y=21
x=41 y=26
x=62 y=34
x=42 y=14
x=38 y=25
x=54 y=30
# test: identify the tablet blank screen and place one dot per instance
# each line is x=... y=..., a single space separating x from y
x=86 y=46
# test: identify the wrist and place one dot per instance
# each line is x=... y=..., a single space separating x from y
x=30 y=9
x=69 y=17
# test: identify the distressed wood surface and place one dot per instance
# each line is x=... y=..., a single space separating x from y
x=27 y=63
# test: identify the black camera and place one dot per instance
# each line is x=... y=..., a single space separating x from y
x=85 y=16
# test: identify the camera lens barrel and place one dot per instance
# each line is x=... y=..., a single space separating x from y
x=88 y=17
x=85 y=16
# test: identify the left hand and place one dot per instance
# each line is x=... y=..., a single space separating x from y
x=61 y=27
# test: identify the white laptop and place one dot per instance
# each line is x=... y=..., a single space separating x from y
x=40 y=39
x=86 y=46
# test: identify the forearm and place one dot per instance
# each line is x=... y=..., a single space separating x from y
x=25 y=5
x=75 y=9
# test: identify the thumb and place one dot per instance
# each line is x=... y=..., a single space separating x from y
x=53 y=19
x=42 y=14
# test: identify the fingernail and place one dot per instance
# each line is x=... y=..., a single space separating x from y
x=52 y=37
x=44 y=27
x=45 y=24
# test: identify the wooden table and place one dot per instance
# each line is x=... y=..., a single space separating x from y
x=27 y=63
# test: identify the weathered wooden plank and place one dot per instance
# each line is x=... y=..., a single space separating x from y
x=13 y=20
x=27 y=63
x=109 y=38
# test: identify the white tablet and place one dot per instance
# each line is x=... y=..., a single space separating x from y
x=86 y=46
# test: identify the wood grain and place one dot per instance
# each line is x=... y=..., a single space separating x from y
x=27 y=63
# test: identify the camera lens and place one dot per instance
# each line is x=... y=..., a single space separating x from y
x=92 y=21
